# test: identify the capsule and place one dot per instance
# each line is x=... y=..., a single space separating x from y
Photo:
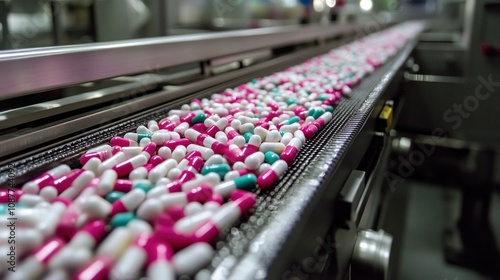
x=291 y=151
x=127 y=166
x=123 y=142
x=34 y=266
x=102 y=155
x=205 y=140
x=245 y=182
x=89 y=235
x=254 y=160
x=219 y=169
x=34 y=186
x=267 y=178
x=193 y=258
x=129 y=202
x=112 y=161
x=206 y=153
x=159 y=266
x=226 y=215
x=275 y=147
x=107 y=182
x=161 y=170
x=133 y=259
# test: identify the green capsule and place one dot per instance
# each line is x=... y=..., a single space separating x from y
x=311 y=112
x=198 y=119
x=282 y=133
x=143 y=135
x=270 y=157
x=114 y=196
x=144 y=185
x=122 y=219
x=246 y=182
x=329 y=109
x=4 y=208
x=247 y=136
x=291 y=120
x=322 y=97
x=318 y=113
x=220 y=169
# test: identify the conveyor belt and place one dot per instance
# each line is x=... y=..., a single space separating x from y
x=266 y=229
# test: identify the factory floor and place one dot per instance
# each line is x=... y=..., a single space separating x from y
x=416 y=214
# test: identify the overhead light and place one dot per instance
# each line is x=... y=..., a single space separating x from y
x=366 y=5
x=331 y=3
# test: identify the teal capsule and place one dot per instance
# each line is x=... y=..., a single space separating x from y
x=270 y=157
x=142 y=184
x=291 y=120
x=220 y=169
x=318 y=113
x=311 y=112
x=143 y=135
x=282 y=133
x=329 y=109
x=290 y=101
x=247 y=136
x=4 y=208
x=245 y=182
x=198 y=119
x=322 y=97
x=114 y=196
x=122 y=219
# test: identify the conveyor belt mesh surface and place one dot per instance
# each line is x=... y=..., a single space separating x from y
x=349 y=115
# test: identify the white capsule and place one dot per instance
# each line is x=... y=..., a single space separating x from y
x=112 y=161
x=49 y=193
x=272 y=146
x=144 y=141
x=160 y=137
x=32 y=187
x=206 y=153
x=286 y=138
x=181 y=128
x=143 y=129
x=160 y=270
x=26 y=239
x=139 y=173
x=131 y=152
x=48 y=225
x=221 y=137
x=174 y=173
x=107 y=182
x=149 y=209
x=70 y=258
x=263 y=167
x=300 y=135
x=161 y=170
x=30 y=199
x=210 y=179
x=193 y=208
x=254 y=160
x=153 y=125
x=262 y=132
x=130 y=264
x=190 y=223
x=78 y=185
x=192 y=258
x=133 y=199
x=100 y=148
x=215 y=159
x=164 y=152
x=179 y=153
x=115 y=243
x=137 y=227
x=59 y=274
x=239 y=165
x=96 y=207
x=273 y=136
x=93 y=165
x=236 y=124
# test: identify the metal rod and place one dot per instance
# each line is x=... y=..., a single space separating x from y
x=4 y=13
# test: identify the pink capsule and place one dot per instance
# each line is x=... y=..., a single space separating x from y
x=172 y=144
x=34 y=266
x=215 y=127
x=169 y=123
x=291 y=151
x=90 y=234
x=127 y=166
x=45 y=179
x=155 y=160
x=204 y=140
x=65 y=181
x=10 y=196
x=267 y=178
x=129 y=202
x=98 y=269
x=102 y=155
x=200 y=127
x=149 y=150
x=231 y=132
x=122 y=142
x=226 y=215
x=252 y=146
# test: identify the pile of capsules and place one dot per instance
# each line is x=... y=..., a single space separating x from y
x=154 y=201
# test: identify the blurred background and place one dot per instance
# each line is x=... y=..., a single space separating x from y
x=41 y=23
